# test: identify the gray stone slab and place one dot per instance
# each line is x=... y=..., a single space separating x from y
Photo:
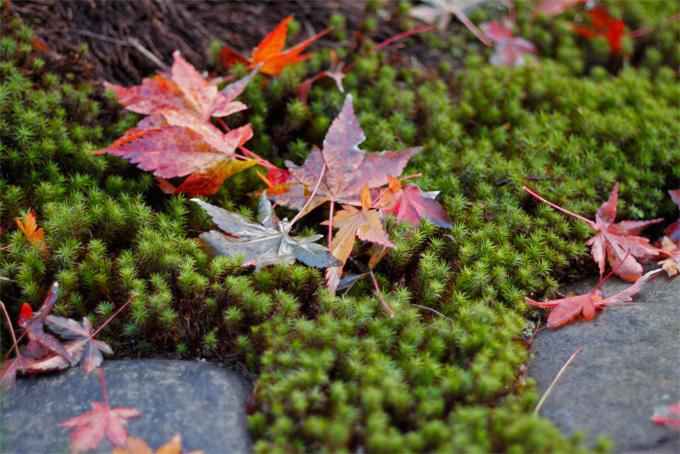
x=201 y=401
x=630 y=363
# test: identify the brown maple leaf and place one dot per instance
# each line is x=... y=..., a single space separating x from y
x=67 y=328
x=270 y=51
x=616 y=243
x=341 y=166
x=365 y=223
x=671 y=264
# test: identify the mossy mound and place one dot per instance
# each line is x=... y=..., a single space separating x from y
x=336 y=373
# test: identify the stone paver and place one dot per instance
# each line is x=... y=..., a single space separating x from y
x=630 y=363
x=201 y=401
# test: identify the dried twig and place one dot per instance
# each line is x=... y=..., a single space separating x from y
x=556 y=379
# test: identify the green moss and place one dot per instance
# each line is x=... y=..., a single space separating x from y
x=336 y=374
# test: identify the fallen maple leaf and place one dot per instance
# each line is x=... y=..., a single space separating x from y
x=139 y=446
x=603 y=24
x=102 y=422
x=336 y=72
x=29 y=226
x=183 y=92
x=673 y=230
x=67 y=328
x=668 y=415
x=509 y=50
x=347 y=168
x=263 y=244
x=565 y=310
x=410 y=204
x=351 y=222
x=555 y=7
x=671 y=264
x=439 y=12
x=617 y=243
x=39 y=339
x=270 y=51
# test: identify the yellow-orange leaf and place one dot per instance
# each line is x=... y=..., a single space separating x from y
x=29 y=226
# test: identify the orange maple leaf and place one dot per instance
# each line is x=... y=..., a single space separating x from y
x=33 y=233
x=270 y=52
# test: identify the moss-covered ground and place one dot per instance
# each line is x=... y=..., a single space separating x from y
x=336 y=373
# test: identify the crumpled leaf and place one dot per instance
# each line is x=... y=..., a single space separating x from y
x=351 y=222
x=92 y=349
x=102 y=422
x=668 y=415
x=24 y=365
x=615 y=242
x=603 y=24
x=552 y=8
x=263 y=244
x=270 y=51
x=348 y=168
x=184 y=91
x=39 y=339
x=509 y=50
x=410 y=204
x=566 y=310
x=29 y=226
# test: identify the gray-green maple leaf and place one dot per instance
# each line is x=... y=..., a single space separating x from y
x=263 y=244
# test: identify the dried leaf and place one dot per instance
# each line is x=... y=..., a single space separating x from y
x=263 y=244
x=410 y=204
x=673 y=230
x=566 y=310
x=270 y=51
x=439 y=12
x=348 y=168
x=139 y=446
x=616 y=243
x=671 y=264
x=509 y=50
x=92 y=349
x=603 y=24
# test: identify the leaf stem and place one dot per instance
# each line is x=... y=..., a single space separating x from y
x=557 y=207
x=403 y=35
x=302 y=213
x=260 y=160
x=469 y=25
x=102 y=383
x=330 y=227
x=556 y=379
x=611 y=273
x=376 y=285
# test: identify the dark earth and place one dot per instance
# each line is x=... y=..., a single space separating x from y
x=630 y=364
x=202 y=402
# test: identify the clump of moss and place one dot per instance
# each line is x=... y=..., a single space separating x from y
x=335 y=373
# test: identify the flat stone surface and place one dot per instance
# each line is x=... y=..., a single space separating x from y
x=630 y=363
x=201 y=401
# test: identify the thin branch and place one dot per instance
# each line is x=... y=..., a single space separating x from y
x=108 y=320
x=11 y=328
x=433 y=311
x=556 y=379
x=557 y=207
x=403 y=35
x=146 y=52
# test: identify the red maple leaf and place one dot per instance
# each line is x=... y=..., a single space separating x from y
x=102 y=422
x=555 y=7
x=617 y=243
x=603 y=24
x=410 y=204
x=178 y=139
x=565 y=310
x=270 y=52
x=668 y=415
x=509 y=50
